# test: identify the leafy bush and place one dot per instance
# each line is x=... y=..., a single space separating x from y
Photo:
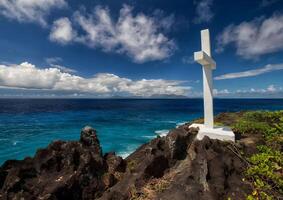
x=265 y=173
x=277 y=128
x=263 y=116
x=244 y=127
x=131 y=165
x=266 y=123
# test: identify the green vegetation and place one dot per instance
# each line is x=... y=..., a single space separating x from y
x=260 y=122
x=159 y=185
x=135 y=195
x=131 y=165
x=265 y=170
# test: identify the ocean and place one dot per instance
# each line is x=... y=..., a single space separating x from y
x=122 y=124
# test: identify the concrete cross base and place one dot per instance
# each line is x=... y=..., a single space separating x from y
x=218 y=132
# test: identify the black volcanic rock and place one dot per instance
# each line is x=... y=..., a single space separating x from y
x=179 y=167
x=64 y=170
x=173 y=167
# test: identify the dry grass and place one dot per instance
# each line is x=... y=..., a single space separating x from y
x=153 y=187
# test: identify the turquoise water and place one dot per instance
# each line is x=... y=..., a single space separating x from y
x=122 y=125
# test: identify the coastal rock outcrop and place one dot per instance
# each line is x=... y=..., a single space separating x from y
x=173 y=167
x=179 y=167
x=64 y=170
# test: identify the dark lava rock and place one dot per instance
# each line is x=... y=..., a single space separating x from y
x=173 y=167
x=179 y=167
x=64 y=170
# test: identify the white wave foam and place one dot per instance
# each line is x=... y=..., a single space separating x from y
x=149 y=136
x=124 y=154
x=171 y=122
x=162 y=133
x=130 y=149
x=180 y=124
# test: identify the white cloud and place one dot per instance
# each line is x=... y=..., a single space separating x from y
x=255 y=38
x=62 y=31
x=217 y=92
x=53 y=62
x=63 y=68
x=28 y=76
x=140 y=36
x=29 y=10
x=271 y=88
x=269 y=91
x=253 y=72
x=203 y=11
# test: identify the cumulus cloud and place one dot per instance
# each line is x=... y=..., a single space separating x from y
x=269 y=91
x=203 y=11
x=62 y=31
x=29 y=10
x=253 y=72
x=271 y=88
x=255 y=38
x=54 y=62
x=139 y=36
x=63 y=68
x=28 y=76
x=217 y=92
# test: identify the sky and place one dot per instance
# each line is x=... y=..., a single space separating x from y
x=139 y=48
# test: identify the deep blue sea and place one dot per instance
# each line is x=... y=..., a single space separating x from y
x=122 y=125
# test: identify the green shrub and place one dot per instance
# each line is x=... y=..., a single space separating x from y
x=266 y=123
x=277 y=128
x=265 y=173
x=131 y=165
x=250 y=127
x=263 y=116
x=265 y=170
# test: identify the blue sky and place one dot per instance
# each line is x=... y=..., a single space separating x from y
x=61 y=48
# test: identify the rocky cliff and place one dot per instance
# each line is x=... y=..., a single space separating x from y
x=173 y=167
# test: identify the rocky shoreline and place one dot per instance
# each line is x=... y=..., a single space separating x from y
x=172 y=167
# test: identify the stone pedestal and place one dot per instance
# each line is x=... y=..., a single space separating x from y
x=217 y=132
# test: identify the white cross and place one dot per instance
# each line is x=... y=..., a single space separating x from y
x=203 y=57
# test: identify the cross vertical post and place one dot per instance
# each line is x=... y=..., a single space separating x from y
x=204 y=58
x=207 y=81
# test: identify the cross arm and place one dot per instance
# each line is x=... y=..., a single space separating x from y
x=202 y=58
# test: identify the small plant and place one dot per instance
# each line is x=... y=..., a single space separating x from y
x=266 y=123
x=244 y=127
x=259 y=195
x=119 y=175
x=160 y=185
x=135 y=195
x=263 y=116
x=277 y=128
x=131 y=165
x=265 y=173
